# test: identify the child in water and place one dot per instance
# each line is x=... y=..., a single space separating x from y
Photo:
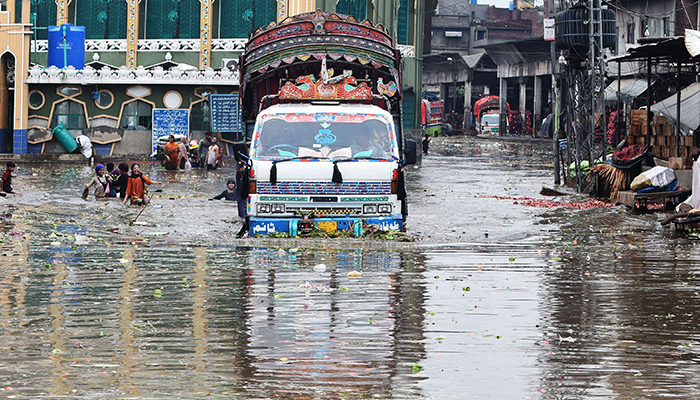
x=7 y=179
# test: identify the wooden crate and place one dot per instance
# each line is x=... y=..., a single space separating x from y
x=669 y=130
x=659 y=120
x=639 y=117
x=665 y=152
x=635 y=130
x=661 y=140
x=687 y=140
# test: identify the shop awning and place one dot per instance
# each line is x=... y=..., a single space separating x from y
x=690 y=104
x=629 y=89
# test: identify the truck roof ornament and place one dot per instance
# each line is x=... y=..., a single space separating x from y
x=329 y=87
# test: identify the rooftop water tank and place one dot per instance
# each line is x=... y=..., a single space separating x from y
x=74 y=53
x=571 y=29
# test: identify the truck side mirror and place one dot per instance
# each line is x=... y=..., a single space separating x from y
x=410 y=151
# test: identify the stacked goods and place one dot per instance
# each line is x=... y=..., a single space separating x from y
x=662 y=139
x=629 y=155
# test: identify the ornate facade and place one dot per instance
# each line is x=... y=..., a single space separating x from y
x=139 y=56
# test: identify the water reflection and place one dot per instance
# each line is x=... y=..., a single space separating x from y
x=111 y=321
x=620 y=320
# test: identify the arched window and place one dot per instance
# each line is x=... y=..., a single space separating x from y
x=136 y=115
x=200 y=116
x=70 y=113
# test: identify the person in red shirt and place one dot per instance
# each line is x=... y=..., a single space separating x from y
x=136 y=186
x=7 y=179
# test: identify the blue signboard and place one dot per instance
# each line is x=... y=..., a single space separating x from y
x=225 y=113
x=168 y=122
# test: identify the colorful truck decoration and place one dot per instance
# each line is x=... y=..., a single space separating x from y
x=325 y=146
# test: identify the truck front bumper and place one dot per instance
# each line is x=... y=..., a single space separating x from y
x=295 y=226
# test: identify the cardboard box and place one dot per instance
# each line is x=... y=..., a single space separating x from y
x=675 y=162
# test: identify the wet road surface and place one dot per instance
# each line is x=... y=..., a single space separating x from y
x=495 y=299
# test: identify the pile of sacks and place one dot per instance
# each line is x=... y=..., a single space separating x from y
x=657 y=179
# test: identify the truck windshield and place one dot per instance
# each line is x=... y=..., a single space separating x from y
x=324 y=136
x=490 y=120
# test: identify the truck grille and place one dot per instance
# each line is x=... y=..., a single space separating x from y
x=324 y=211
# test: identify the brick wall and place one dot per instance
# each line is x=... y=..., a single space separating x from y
x=682 y=21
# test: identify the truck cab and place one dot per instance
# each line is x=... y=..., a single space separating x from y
x=489 y=124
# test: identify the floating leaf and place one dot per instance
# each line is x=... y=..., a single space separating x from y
x=157 y=293
x=416 y=368
x=466 y=288
x=511 y=259
x=556 y=258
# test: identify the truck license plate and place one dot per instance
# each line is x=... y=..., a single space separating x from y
x=328 y=226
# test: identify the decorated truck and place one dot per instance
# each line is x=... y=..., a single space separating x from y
x=487 y=116
x=432 y=113
x=321 y=99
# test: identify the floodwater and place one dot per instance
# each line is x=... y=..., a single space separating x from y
x=494 y=299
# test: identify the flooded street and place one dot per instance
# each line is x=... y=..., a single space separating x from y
x=494 y=299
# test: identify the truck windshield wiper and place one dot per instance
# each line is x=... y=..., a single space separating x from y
x=361 y=158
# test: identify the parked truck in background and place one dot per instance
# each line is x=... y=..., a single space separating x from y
x=321 y=97
x=486 y=112
x=432 y=114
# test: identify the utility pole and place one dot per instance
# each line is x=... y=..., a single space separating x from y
x=555 y=105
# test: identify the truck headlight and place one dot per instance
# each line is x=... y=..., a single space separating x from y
x=278 y=208
x=369 y=209
x=263 y=208
x=385 y=208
